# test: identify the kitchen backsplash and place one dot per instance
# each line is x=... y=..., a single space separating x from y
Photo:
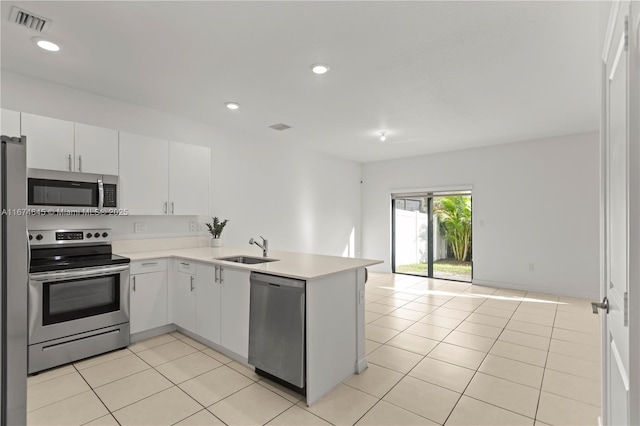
x=123 y=227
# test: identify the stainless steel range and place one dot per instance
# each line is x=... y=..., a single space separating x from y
x=78 y=297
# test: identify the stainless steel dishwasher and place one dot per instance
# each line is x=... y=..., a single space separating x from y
x=277 y=328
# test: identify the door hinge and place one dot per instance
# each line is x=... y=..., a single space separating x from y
x=626 y=309
x=626 y=33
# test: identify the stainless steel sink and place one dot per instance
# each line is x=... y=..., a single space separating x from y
x=246 y=260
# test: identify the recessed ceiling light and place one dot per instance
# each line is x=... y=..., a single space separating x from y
x=383 y=136
x=46 y=44
x=320 y=68
x=232 y=105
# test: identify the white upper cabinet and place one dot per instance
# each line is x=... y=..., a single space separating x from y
x=54 y=144
x=161 y=177
x=144 y=174
x=96 y=150
x=189 y=179
x=50 y=142
x=10 y=123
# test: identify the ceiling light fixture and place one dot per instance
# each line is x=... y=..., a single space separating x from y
x=320 y=68
x=232 y=105
x=46 y=44
x=383 y=136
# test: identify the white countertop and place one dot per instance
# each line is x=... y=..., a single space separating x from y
x=289 y=264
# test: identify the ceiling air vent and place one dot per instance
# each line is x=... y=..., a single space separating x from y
x=280 y=126
x=29 y=20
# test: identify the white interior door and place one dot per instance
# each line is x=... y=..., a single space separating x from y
x=620 y=188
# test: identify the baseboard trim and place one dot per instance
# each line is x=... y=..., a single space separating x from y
x=538 y=289
x=362 y=365
x=147 y=334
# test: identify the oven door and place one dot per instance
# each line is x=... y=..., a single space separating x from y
x=64 y=303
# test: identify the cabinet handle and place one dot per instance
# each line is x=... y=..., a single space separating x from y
x=149 y=263
x=221 y=276
x=216 y=275
x=173 y=207
x=79 y=163
x=134 y=283
x=184 y=264
x=70 y=165
x=191 y=282
x=165 y=207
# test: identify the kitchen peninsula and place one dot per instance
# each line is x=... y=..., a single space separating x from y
x=207 y=298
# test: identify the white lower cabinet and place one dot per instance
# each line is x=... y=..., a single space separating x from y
x=234 y=310
x=207 y=303
x=213 y=302
x=186 y=301
x=148 y=295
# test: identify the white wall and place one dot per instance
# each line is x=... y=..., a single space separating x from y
x=534 y=202
x=299 y=200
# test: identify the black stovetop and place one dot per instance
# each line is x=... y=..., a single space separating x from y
x=86 y=256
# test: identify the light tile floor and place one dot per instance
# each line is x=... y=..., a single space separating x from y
x=439 y=352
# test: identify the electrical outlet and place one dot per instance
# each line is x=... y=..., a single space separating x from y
x=532 y=267
x=193 y=226
x=140 y=227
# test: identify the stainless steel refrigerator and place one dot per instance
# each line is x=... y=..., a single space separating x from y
x=15 y=280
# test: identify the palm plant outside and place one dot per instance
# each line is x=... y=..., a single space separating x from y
x=454 y=215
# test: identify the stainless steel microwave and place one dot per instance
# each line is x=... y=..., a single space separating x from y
x=70 y=191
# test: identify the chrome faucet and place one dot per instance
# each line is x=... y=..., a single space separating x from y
x=264 y=246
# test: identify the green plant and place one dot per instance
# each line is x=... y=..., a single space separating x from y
x=454 y=213
x=217 y=227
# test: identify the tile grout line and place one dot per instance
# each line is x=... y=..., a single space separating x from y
x=97 y=396
x=544 y=370
x=480 y=365
x=403 y=377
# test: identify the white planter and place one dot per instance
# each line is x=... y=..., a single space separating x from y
x=216 y=242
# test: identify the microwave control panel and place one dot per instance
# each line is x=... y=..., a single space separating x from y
x=110 y=195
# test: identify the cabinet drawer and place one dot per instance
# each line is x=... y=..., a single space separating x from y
x=151 y=265
x=186 y=266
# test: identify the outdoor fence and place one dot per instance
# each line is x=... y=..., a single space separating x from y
x=411 y=238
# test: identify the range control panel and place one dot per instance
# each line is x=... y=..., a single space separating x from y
x=66 y=236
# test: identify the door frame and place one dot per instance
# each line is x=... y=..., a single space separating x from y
x=430 y=194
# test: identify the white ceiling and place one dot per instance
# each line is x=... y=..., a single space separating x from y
x=438 y=76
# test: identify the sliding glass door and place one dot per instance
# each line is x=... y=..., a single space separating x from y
x=432 y=235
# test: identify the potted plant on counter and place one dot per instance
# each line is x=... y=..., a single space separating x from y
x=215 y=230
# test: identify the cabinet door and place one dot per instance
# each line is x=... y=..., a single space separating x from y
x=10 y=123
x=186 y=303
x=148 y=301
x=49 y=142
x=144 y=174
x=234 y=307
x=96 y=150
x=189 y=179
x=207 y=303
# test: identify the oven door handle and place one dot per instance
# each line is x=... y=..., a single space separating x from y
x=55 y=276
